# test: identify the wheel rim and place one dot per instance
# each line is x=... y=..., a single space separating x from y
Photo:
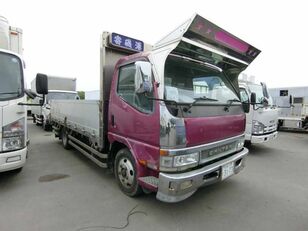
x=126 y=173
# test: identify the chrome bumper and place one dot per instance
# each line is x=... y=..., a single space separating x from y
x=172 y=187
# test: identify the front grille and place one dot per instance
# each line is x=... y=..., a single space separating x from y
x=270 y=128
x=216 y=152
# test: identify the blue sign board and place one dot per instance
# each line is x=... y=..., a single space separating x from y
x=126 y=42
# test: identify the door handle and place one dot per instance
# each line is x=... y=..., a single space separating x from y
x=112 y=121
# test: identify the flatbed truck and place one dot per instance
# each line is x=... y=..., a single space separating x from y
x=169 y=119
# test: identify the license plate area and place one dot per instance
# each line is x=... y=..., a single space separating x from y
x=227 y=170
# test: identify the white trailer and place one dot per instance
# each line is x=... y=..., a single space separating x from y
x=293 y=107
x=59 y=88
x=261 y=120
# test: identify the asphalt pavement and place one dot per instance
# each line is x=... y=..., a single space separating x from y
x=61 y=190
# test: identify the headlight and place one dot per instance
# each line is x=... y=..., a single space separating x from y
x=13 y=135
x=12 y=143
x=257 y=127
x=240 y=144
x=187 y=159
x=179 y=162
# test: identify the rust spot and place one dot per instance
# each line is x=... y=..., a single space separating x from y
x=53 y=177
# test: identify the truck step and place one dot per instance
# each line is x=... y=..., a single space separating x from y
x=149 y=180
x=89 y=149
x=84 y=152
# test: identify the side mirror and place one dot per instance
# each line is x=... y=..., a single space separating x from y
x=253 y=98
x=143 y=77
x=246 y=107
x=41 y=84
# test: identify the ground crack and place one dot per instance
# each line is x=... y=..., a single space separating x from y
x=130 y=213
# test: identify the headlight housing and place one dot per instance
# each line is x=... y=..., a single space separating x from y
x=257 y=127
x=179 y=162
x=13 y=135
x=240 y=144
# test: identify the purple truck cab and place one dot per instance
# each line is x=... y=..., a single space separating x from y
x=188 y=130
x=171 y=119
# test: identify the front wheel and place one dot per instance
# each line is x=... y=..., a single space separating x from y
x=126 y=173
x=248 y=143
x=46 y=127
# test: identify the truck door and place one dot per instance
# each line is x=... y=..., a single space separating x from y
x=132 y=115
x=245 y=99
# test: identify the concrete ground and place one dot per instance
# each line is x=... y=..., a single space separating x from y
x=270 y=194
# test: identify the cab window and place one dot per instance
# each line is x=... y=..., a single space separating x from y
x=127 y=90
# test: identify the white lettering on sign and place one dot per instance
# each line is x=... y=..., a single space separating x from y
x=128 y=43
x=138 y=46
x=117 y=40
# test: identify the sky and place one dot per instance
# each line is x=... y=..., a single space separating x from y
x=61 y=37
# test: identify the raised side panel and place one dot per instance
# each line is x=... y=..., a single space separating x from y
x=81 y=116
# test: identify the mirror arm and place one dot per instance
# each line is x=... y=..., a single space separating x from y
x=28 y=104
x=33 y=104
x=30 y=94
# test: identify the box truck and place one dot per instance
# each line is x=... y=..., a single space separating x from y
x=261 y=120
x=169 y=119
x=13 y=101
x=58 y=88
x=292 y=103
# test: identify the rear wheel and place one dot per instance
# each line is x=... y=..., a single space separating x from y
x=126 y=173
x=65 y=139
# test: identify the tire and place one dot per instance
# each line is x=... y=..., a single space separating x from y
x=45 y=126
x=126 y=173
x=65 y=139
x=248 y=143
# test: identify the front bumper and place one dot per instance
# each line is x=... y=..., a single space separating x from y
x=263 y=138
x=170 y=184
x=13 y=160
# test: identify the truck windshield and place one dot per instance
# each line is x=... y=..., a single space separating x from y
x=187 y=81
x=11 y=86
x=61 y=95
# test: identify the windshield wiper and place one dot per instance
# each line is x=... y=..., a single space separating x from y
x=230 y=102
x=163 y=100
x=167 y=101
x=203 y=98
